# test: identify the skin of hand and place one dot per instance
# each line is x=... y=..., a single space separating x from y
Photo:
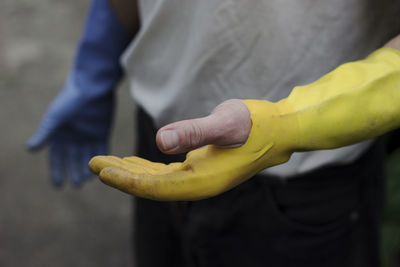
x=357 y=101
x=227 y=126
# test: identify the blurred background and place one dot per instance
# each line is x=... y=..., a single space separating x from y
x=40 y=226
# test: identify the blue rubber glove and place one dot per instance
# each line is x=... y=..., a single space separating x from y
x=76 y=126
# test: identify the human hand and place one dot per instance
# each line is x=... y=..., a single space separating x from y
x=227 y=126
x=244 y=137
x=77 y=124
x=75 y=128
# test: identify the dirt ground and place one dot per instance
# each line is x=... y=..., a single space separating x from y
x=40 y=226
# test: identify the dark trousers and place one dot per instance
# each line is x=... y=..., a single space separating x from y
x=330 y=217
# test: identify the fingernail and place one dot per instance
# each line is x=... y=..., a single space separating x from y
x=169 y=139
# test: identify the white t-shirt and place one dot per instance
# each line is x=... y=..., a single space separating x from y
x=190 y=55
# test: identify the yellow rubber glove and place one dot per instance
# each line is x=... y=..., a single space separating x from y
x=357 y=101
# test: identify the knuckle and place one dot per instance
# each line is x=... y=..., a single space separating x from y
x=194 y=135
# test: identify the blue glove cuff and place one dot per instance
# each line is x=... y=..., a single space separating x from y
x=97 y=69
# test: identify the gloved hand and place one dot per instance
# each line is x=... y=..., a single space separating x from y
x=357 y=101
x=210 y=170
x=76 y=125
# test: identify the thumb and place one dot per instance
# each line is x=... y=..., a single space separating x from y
x=43 y=133
x=227 y=126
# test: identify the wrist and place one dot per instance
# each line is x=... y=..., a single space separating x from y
x=274 y=125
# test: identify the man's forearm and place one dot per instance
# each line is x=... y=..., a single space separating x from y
x=355 y=102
